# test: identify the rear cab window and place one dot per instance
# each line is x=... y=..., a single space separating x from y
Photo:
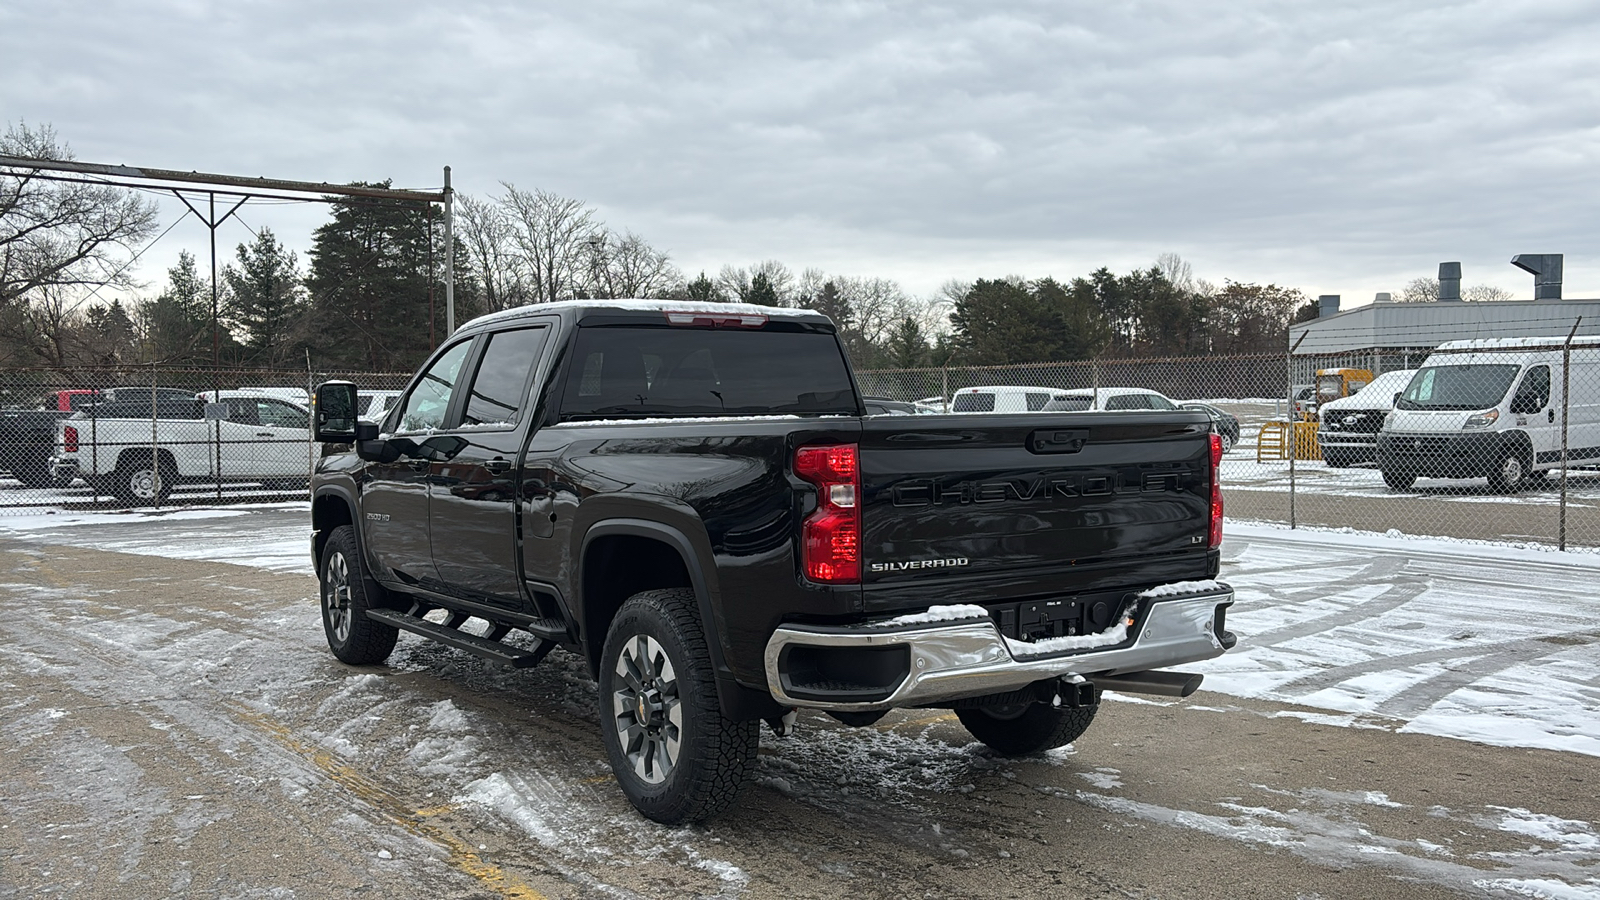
x=644 y=371
x=974 y=402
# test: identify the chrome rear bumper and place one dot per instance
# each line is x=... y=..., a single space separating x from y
x=924 y=664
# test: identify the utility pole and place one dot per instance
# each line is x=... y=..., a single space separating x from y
x=449 y=254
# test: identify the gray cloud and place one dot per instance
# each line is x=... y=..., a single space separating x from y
x=1339 y=147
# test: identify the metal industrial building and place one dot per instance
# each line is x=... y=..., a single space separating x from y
x=1387 y=335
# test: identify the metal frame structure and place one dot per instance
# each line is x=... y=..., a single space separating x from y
x=245 y=189
x=254 y=189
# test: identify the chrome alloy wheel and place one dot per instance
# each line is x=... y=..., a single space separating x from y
x=648 y=711
x=336 y=595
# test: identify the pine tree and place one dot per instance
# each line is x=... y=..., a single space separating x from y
x=178 y=321
x=266 y=300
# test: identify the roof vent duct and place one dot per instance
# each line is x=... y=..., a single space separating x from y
x=1327 y=305
x=1383 y=297
x=1546 y=271
x=1449 y=281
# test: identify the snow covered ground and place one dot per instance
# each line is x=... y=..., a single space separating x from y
x=1373 y=635
x=1470 y=640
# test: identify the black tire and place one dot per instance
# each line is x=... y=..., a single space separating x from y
x=1509 y=471
x=676 y=756
x=1398 y=480
x=135 y=481
x=1023 y=730
x=347 y=594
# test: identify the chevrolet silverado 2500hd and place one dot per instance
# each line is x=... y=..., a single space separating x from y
x=690 y=498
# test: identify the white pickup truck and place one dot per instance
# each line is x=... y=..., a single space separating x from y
x=123 y=450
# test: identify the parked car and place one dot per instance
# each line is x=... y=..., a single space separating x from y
x=1110 y=399
x=883 y=406
x=1492 y=408
x=1305 y=403
x=122 y=451
x=1003 y=398
x=376 y=404
x=1348 y=434
x=1226 y=423
x=691 y=499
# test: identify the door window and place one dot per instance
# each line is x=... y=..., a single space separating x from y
x=497 y=393
x=429 y=400
x=1126 y=401
x=278 y=414
x=1533 y=394
x=1156 y=401
x=1036 y=401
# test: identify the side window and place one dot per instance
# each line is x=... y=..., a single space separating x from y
x=242 y=410
x=497 y=388
x=1126 y=401
x=979 y=402
x=430 y=398
x=1157 y=401
x=1036 y=401
x=1533 y=394
x=282 y=415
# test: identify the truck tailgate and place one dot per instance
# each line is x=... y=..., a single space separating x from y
x=1000 y=496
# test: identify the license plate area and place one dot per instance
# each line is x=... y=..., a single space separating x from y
x=1037 y=620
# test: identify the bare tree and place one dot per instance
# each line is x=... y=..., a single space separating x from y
x=485 y=229
x=627 y=266
x=551 y=236
x=1177 y=270
x=1485 y=293
x=61 y=240
x=734 y=282
x=1420 y=290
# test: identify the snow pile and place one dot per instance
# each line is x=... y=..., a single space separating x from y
x=1183 y=587
x=933 y=614
x=1572 y=834
x=1116 y=634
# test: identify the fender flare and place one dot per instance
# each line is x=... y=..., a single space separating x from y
x=692 y=562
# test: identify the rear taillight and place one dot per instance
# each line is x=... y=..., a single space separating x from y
x=1216 y=490
x=830 y=538
x=69 y=439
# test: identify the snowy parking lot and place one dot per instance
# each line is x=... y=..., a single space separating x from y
x=1402 y=717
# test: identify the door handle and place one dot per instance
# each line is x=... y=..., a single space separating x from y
x=497 y=466
x=1550 y=415
x=265 y=434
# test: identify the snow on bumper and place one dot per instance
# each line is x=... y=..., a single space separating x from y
x=955 y=652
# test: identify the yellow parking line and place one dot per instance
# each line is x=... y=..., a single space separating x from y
x=461 y=855
x=890 y=726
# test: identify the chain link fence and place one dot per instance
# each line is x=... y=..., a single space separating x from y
x=90 y=438
x=1499 y=442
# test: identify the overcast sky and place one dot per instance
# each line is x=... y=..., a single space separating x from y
x=1334 y=147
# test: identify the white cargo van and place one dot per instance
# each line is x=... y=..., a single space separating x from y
x=1493 y=409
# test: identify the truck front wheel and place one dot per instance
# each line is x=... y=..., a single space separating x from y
x=352 y=636
x=1023 y=729
x=676 y=756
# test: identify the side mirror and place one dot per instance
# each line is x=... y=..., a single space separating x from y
x=1525 y=404
x=336 y=412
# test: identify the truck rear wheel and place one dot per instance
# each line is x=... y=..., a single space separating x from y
x=1021 y=730
x=137 y=482
x=352 y=636
x=676 y=756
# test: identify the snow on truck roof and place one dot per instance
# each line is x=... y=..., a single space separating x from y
x=732 y=309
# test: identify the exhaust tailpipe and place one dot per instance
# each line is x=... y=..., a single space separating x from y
x=1165 y=684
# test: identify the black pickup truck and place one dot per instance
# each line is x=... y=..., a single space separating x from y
x=691 y=498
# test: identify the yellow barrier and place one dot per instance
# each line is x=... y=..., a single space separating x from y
x=1272 y=442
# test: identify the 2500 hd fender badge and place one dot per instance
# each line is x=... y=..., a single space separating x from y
x=878 y=568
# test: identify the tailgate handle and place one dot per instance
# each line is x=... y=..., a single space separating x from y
x=1058 y=440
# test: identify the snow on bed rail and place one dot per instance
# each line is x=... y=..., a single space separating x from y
x=1183 y=587
x=933 y=614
